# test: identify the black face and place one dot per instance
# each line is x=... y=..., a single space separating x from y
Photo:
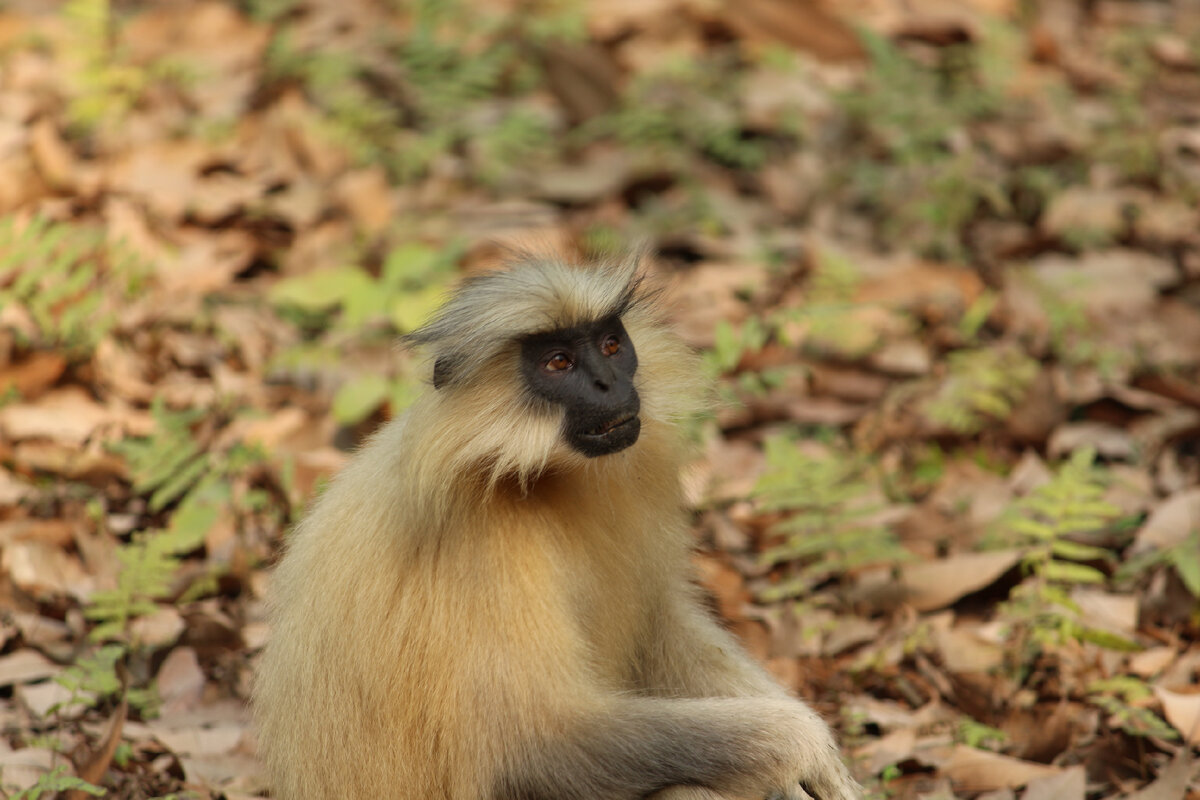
x=588 y=370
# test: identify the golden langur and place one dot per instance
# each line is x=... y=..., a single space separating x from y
x=492 y=601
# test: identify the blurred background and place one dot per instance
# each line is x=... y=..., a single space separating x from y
x=941 y=259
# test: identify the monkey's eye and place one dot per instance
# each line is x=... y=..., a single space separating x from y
x=610 y=346
x=557 y=362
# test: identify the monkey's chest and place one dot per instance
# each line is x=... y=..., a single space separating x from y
x=611 y=610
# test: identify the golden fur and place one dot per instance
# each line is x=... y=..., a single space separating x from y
x=473 y=611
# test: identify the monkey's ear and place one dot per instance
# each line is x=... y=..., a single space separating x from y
x=441 y=372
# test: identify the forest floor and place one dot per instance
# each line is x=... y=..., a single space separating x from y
x=942 y=260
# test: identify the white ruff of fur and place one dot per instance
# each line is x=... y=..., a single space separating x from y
x=481 y=426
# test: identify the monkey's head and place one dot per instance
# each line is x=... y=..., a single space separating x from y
x=556 y=335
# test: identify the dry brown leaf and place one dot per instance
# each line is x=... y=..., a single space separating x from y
x=20 y=184
x=975 y=770
x=810 y=25
x=1169 y=523
x=54 y=160
x=42 y=570
x=963 y=649
x=1070 y=784
x=1084 y=211
x=39 y=698
x=1182 y=711
x=1108 y=441
x=21 y=769
x=937 y=584
x=366 y=194
x=891 y=748
x=95 y=463
x=158 y=629
x=1171 y=783
x=66 y=415
x=57 y=532
x=1112 y=612
x=24 y=666
x=180 y=682
x=13 y=490
x=1151 y=661
x=32 y=376
x=932 y=290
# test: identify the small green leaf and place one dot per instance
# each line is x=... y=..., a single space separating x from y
x=1067 y=572
x=359 y=397
x=315 y=291
x=1075 y=551
x=411 y=309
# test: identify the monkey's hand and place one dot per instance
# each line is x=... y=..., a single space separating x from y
x=822 y=774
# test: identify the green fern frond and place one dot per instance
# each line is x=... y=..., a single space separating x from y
x=980 y=385
x=55 y=781
x=66 y=277
x=1048 y=523
x=826 y=528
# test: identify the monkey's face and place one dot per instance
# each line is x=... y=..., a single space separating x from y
x=587 y=370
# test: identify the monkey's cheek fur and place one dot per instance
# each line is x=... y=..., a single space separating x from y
x=611 y=437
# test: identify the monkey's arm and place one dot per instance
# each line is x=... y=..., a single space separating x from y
x=631 y=747
x=690 y=655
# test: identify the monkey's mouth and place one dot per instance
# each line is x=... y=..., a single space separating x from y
x=609 y=427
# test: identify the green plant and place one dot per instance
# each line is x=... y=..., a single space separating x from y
x=55 y=781
x=174 y=470
x=1183 y=557
x=826 y=504
x=1048 y=523
x=829 y=319
x=687 y=106
x=67 y=278
x=975 y=734
x=96 y=677
x=924 y=178
x=349 y=301
x=450 y=81
x=1124 y=698
x=980 y=385
x=106 y=84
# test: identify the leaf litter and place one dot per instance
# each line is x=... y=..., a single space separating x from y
x=941 y=260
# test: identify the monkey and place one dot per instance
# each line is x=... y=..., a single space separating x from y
x=493 y=599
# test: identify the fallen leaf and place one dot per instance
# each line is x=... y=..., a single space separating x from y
x=1070 y=784
x=180 y=681
x=1182 y=711
x=24 y=666
x=1151 y=661
x=67 y=415
x=889 y=749
x=1112 y=612
x=1108 y=441
x=1171 y=783
x=937 y=584
x=1169 y=523
x=32 y=376
x=158 y=629
x=974 y=770
x=42 y=570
